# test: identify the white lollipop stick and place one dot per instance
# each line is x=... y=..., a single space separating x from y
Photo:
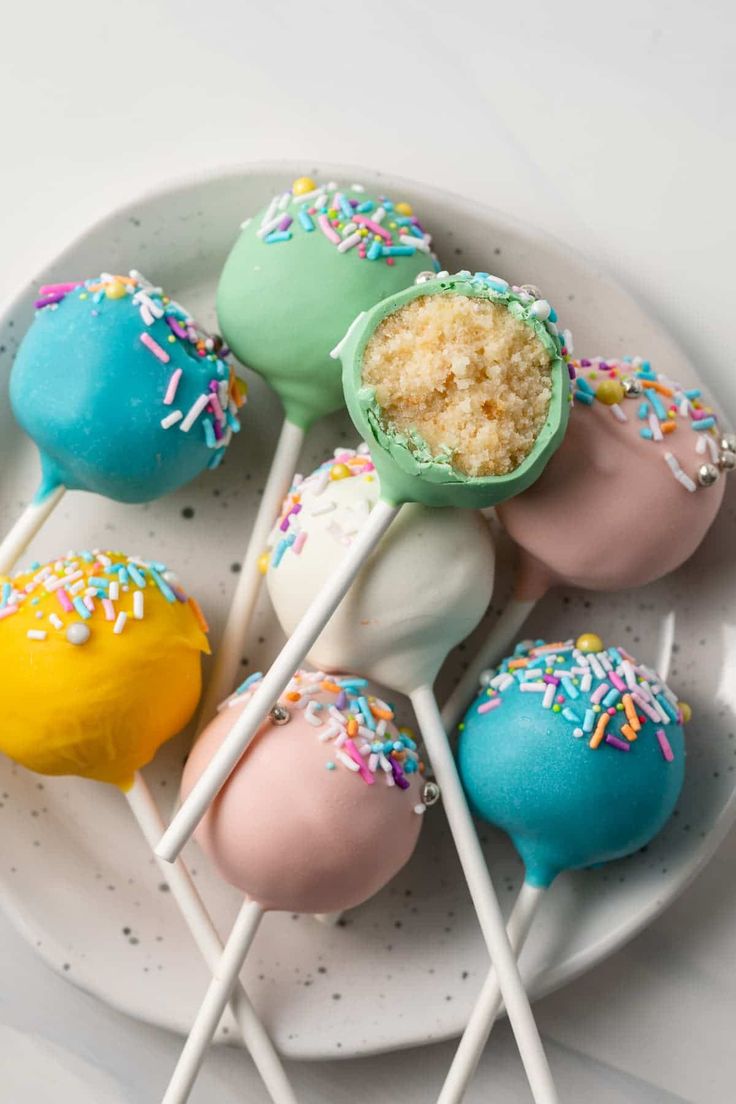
x=666 y=645
x=289 y=659
x=224 y=978
x=227 y=657
x=496 y=646
x=197 y=919
x=25 y=529
x=488 y=1004
x=484 y=897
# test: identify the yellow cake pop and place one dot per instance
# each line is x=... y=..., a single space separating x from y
x=100 y=661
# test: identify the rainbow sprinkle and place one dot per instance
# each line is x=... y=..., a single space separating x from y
x=357 y=727
x=379 y=230
x=605 y=696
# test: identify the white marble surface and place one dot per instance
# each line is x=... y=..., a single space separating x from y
x=614 y=129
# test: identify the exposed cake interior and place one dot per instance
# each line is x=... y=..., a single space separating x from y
x=465 y=377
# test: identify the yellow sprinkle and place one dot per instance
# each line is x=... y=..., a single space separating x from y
x=339 y=471
x=263 y=561
x=303 y=185
x=115 y=289
x=686 y=711
x=589 y=642
x=404 y=209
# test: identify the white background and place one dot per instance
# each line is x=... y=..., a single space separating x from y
x=614 y=129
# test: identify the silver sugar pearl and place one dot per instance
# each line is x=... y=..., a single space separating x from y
x=279 y=715
x=424 y=277
x=77 y=633
x=707 y=475
x=430 y=793
x=633 y=387
x=486 y=676
x=727 y=460
x=727 y=442
x=530 y=289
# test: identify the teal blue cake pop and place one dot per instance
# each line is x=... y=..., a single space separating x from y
x=123 y=394
x=579 y=755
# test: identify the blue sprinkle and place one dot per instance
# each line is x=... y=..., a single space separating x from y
x=584 y=397
x=416 y=232
x=588 y=720
x=703 y=423
x=667 y=706
x=163 y=586
x=209 y=433
x=345 y=207
x=7 y=591
x=101 y=584
x=123 y=575
x=694 y=393
x=352 y=683
x=330 y=765
x=656 y=402
x=570 y=689
x=278 y=236
x=279 y=552
x=643 y=410
x=570 y=715
x=398 y=250
x=364 y=208
x=136 y=576
x=306 y=220
x=249 y=681
x=81 y=609
x=410 y=767
x=552 y=314
x=366 y=711
x=611 y=698
x=404 y=220
x=216 y=459
x=87 y=557
x=375 y=251
x=584 y=385
x=34 y=566
x=646 y=434
x=232 y=421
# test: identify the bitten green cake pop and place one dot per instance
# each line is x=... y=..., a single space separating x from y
x=298 y=274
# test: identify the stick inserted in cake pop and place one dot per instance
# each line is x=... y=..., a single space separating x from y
x=473 y=446
x=101 y=661
x=643 y=456
x=398 y=625
x=122 y=393
x=300 y=272
x=578 y=752
x=323 y=810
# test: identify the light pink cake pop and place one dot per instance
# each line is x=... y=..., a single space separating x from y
x=325 y=806
x=632 y=490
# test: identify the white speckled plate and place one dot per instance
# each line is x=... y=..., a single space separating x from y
x=74 y=874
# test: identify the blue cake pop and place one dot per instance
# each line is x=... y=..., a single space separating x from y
x=576 y=751
x=123 y=394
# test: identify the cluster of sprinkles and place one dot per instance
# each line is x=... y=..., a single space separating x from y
x=604 y=694
x=379 y=230
x=106 y=588
x=310 y=497
x=166 y=326
x=663 y=408
x=357 y=728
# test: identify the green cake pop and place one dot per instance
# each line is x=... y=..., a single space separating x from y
x=298 y=274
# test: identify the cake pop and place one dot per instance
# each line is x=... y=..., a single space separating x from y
x=408 y=468
x=577 y=751
x=298 y=274
x=422 y=591
x=323 y=810
x=101 y=665
x=643 y=457
x=123 y=394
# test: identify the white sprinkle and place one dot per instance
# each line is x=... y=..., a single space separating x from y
x=138 y=605
x=56 y=621
x=534 y=687
x=245 y=223
x=713 y=448
x=549 y=696
x=323 y=508
x=171 y=419
x=79 y=585
x=36 y=634
x=284 y=201
x=628 y=672
x=577 y=733
x=311 y=714
x=379 y=215
x=349 y=243
x=418 y=243
x=654 y=426
x=194 y=411
x=269 y=212
x=347 y=761
x=54 y=584
x=700 y=443
x=372 y=762
x=420 y=809
x=120 y=623
x=267 y=227
x=384 y=764
x=329 y=733
x=337 y=716
x=618 y=412
x=679 y=474
x=381 y=729
x=586 y=682
x=596 y=667
x=113 y=591
x=604 y=661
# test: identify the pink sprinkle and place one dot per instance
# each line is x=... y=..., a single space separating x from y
x=64 y=600
x=374 y=227
x=217 y=409
x=665 y=745
x=599 y=692
x=324 y=224
x=7 y=611
x=487 y=706
x=89 y=603
x=646 y=708
x=50 y=289
x=299 y=543
x=173 y=384
x=618 y=682
x=355 y=755
x=109 y=609
x=155 y=348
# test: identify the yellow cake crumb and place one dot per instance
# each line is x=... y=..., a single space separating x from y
x=466 y=376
